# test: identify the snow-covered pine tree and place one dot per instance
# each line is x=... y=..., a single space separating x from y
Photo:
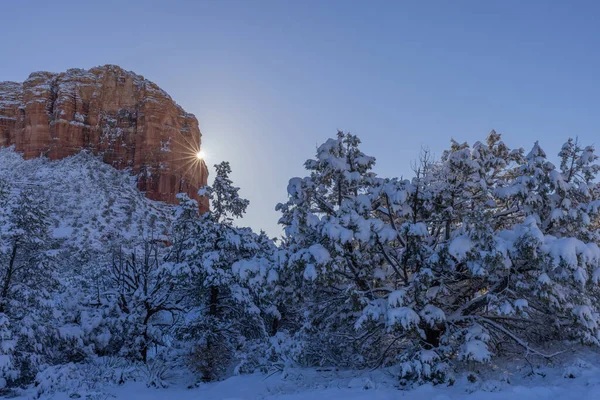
x=334 y=267
x=224 y=297
x=26 y=282
x=225 y=202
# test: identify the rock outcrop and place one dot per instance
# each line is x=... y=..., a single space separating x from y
x=123 y=117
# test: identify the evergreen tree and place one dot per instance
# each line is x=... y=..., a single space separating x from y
x=26 y=282
x=454 y=262
x=224 y=296
x=334 y=267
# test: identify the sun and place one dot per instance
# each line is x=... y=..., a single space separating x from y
x=200 y=155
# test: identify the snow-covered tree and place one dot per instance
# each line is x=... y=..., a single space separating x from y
x=24 y=241
x=8 y=367
x=224 y=296
x=27 y=280
x=147 y=294
x=334 y=267
x=469 y=258
x=224 y=198
x=554 y=252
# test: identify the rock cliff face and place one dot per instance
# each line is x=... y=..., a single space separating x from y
x=122 y=116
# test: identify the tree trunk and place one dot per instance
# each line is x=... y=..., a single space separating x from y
x=8 y=278
x=274 y=326
x=214 y=300
x=432 y=336
x=209 y=372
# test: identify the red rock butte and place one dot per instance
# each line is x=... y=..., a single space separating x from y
x=120 y=115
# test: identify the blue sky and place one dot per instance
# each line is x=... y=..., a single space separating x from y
x=269 y=80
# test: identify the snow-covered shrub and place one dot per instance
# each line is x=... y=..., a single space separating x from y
x=423 y=366
x=156 y=373
x=85 y=380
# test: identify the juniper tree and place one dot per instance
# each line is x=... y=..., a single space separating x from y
x=466 y=259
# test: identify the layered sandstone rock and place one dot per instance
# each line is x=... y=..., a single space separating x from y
x=125 y=118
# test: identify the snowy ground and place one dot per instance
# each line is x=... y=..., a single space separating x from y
x=256 y=388
x=576 y=378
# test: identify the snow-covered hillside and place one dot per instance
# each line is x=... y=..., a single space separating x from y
x=89 y=200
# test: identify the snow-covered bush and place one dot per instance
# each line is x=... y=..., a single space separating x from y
x=85 y=380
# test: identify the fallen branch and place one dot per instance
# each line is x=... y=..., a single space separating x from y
x=514 y=337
